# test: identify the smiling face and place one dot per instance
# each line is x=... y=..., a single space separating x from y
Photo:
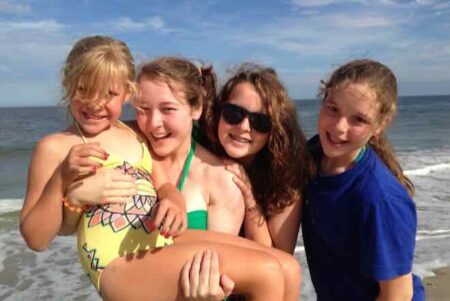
x=165 y=117
x=347 y=120
x=240 y=141
x=96 y=115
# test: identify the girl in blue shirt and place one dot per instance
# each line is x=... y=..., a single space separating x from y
x=359 y=221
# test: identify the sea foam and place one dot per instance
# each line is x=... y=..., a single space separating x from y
x=427 y=169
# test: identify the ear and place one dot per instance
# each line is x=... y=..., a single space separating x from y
x=380 y=128
x=197 y=112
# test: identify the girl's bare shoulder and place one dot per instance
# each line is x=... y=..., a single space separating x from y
x=57 y=144
x=214 y=170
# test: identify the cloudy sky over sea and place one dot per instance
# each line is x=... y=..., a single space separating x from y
x=303 y=40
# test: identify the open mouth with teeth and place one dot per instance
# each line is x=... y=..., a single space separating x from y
x=240 y=139
x=335 y=141
x=160 y=136
x=93 y=116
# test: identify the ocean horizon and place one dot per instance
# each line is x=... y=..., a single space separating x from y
x=419 y=134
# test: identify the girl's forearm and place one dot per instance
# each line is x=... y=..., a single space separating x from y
x=42 y=223
x=256 y=228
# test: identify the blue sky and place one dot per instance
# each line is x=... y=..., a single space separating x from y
x=302 y=39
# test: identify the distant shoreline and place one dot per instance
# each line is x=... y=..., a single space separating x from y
x=295 y=100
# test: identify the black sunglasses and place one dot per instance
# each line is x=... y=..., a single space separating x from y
x=234 y=114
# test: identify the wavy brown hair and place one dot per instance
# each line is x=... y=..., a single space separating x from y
x=197 y=83
x=382 y=81
x=281 y=169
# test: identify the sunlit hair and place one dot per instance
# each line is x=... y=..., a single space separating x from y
x=197 y=84
x=381 y=80
x=281 y=169
x=94 y=66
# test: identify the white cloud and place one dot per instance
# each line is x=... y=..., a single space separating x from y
x=32 y=49
x=126 y=24
x=425 y=2
x=345 y=21
x=318 y=3
x=48 y=26
x=14 y=8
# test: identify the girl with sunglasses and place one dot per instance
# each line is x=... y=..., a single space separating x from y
x=172 y=91
x=254 y=122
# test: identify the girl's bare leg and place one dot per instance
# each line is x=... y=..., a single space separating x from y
x=290 y=265
x=155 y=275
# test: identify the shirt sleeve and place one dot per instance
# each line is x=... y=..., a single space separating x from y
x=387 y=234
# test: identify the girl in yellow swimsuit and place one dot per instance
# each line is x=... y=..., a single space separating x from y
x=97 y=79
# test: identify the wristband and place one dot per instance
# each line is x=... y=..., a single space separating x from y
x=71 y=206
x=252 y=209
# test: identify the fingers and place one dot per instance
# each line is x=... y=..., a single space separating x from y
x=201 y=280
x=83 y=159
x=185 y=281
x=90 y=149
x=227 y=285
x=194 y=274
x=205 y=273
x=214 y=278
x=170 y=218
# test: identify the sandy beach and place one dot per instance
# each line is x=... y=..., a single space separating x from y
x=438 y=287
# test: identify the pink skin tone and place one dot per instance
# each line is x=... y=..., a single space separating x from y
x=94 y=117
x=240 y=141
x=163 y=119
x=347 y=120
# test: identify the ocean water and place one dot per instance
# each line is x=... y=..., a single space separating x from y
x=420 y=134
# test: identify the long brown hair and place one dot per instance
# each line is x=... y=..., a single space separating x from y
x=382 y=81
x=280 y=170
x=197 y=83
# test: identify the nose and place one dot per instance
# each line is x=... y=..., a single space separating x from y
x=245 y=124
x=154 y=119
x=341 y=125
x=97 y=104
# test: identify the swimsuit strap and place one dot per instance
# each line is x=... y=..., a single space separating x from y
x=186 y=166
x=80 y=132
x=120 y=123
x=360 y=154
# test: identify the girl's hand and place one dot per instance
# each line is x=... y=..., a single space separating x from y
x=104 y=187
x=80 y=161
x=201 y=279
x=242 y=181
x=171 y=215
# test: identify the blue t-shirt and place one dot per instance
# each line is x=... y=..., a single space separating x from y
x=359 y=228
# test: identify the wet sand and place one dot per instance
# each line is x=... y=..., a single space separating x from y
x=437 y=287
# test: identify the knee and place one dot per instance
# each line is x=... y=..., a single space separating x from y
x=292 y=270
x=271 y=272
x=110 y=284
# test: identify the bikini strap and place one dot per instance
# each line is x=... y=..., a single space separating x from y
x=186 y=166
x=80 y=132
x=121 y=123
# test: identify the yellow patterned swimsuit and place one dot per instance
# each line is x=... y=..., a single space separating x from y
x=115 y=230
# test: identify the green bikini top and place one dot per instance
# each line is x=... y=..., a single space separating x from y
x=197 y=219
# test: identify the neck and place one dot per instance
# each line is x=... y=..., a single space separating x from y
x=170 y=166
x=335 y=166
x=246 y=161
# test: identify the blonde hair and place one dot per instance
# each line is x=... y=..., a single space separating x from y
x=197 y=83
x=95 y=64
x=282 y=168
x=381 y=80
